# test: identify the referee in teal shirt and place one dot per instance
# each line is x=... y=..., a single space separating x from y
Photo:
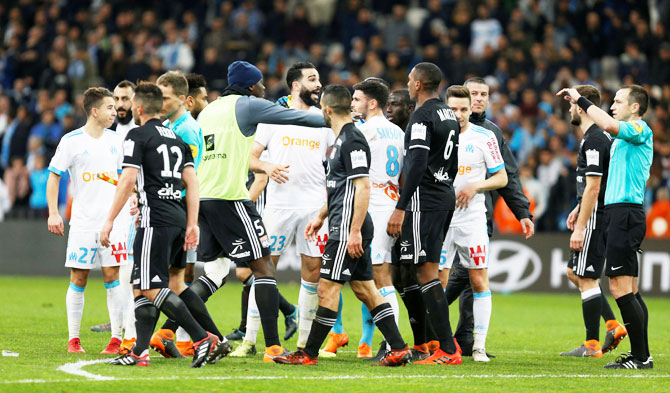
x=630 y=160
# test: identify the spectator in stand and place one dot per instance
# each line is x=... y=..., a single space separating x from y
x=485 y=31
x=46 y=133
x=38 y=183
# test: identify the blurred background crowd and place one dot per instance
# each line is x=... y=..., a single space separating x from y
x=51 y=51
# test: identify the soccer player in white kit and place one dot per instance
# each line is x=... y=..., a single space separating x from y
x=86 y=153
x=478 y=152
x=297 y=192
x=386 y=141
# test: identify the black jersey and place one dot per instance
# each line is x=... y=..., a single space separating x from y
x=432 y=127
x=161 y=156
x=593 y=159
x=348 y=160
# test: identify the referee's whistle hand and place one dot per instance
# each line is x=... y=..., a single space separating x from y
x=355 y=244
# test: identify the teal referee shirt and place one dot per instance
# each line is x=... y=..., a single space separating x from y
x=630 y=160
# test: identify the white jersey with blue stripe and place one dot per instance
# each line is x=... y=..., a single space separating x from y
x=478 y=153
x=85 y=158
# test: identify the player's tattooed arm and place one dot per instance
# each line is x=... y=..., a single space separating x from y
x=54 y=222
x=316 y=223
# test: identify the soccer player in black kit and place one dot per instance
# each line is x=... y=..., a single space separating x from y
x=160 y=161
x=347 y=253
x=427 y=200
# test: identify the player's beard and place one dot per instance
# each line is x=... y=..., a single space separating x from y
x=126 y=118
x=306 y=97
x=575 y=120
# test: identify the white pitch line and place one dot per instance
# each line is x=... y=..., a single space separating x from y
x=75 y=369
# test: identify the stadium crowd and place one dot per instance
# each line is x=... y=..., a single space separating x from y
x=51 y=51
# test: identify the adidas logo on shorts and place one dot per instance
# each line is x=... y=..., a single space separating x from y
x=156 y=279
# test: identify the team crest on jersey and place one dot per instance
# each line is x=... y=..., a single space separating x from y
x=469 y=148
x=209 y=142
x=113 y=150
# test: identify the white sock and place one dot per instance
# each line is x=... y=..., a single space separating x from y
x=115 y=305
x=481 y=309
x=129 y=302
x=308 y=302
x=182 y=335
x=389 y=295
x=74 y=303
x=253 y=317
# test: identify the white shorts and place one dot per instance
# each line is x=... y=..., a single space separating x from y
x=284 y=225
x=85 y=252
x=471 y=242
x=381 y=242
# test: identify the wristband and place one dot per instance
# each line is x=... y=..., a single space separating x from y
x=584 y=103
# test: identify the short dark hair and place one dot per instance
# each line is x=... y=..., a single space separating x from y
x=294 y=73
x=404 y=96
x=93 y=97
x=458 y=91
x=338 y=98
x=195 y=83
x=127 y=83
x=590 y=93
x=378 y=80
x=176 y=80
x=475 y=79
x=374 y=90
x=429 y=75
x=638 y=95
x=150 y=96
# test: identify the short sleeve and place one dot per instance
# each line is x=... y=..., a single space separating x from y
x=492 y=155
x=419 y=134
x=263 y=134
x=596 y=150
x=356 y=157
x=188 y=158
x=133 y=149
x=119 y=156
x=62 y=158
x=330 y=137
x=635 y=131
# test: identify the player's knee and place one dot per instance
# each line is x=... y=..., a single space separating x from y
x=263 y=267
x=218 y=270
x=571 y=276
x=189 y=273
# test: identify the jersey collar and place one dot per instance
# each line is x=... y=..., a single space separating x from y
x=179 y=120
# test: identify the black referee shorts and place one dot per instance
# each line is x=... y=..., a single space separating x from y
x=422 y=236
x=626 y=227
x=156 y=250
x=232 y=229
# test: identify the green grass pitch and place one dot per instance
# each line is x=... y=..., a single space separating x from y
x=527 y=333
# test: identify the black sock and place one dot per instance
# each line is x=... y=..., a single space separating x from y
x=199 y=311
x=170 y=324
x=285 y=306
x=245 y=302
x=146 y=316
x=323 y=322
x=416 y=312
x=459 y=281
x=172 y=306
x=267 y=300
x=436 y=304
x=591 y=311
x=204 y=287
x=607 y=312
x=466 y=320
x=383 y=317
x=646 y=321
x=633 y=318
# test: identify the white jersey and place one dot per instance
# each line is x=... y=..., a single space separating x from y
x=304 y=150
x=386 y=141
x=478 y=152
x=122 y=129
x=85 y=157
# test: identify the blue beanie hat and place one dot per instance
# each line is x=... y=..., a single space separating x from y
x=243 y=74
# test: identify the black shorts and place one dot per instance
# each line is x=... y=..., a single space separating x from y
x=626 y=227
x=156 y=250
x=337 y=265
x=589 y=262
x=232 y=229
x=422 y=236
